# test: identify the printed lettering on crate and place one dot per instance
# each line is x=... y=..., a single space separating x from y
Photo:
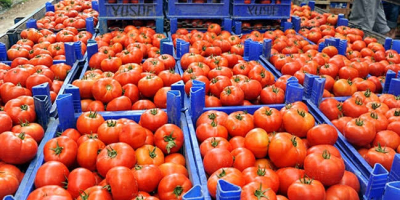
x=257 y=10
x=134 y=10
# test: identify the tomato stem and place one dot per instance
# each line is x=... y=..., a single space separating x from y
x=154 y=111
x=24 y=107
x=58 y=150
x=138 y=167
x=214 y=142
x=152 y=153
x=21 y=135
x=326 y=154
x=261 y=171
x=222 y=174
x=294 y=142
x=111 y=152
x=111 y=123
x=178 y=191
x=380 y=149
x=170 y=142
x=259 y=193
x=359 y=122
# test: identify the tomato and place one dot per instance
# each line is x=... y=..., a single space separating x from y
x=10 y=91
x=298 y=122
x=143 y=105
x=173 y=168
x=212 y=143
x=272 y=95
x=122 y=182
x=208 y=130
x=48 y=192
x=149 y=85
x=243 y=158
x=59 y=172
x=382 y=155
x=343 y=87
x=113 y=155
x=95 y=192
x=306 y=188
x=189 y=58
x=330 y=51
x=257 y=191
x=217 y=158
x=210 y=116
x=231 y=175
x=147 y=176
x=80 y=179
x=324 y=147
x=379 y=121
x=239 y=123
x=106 y=89
x=330 y=168
x=132 y=134
x=287 y=176
x=6 y=122
x=175 y=158
x=341 y=192
x=89 y=122
x=232 y=96
x=8 y=184
x=351 y=180
x=153 y=119
x=119 y=104
x=173 y=187
x=87 y=153
x=269 y=119
x=359 y=132
x=286 y=150
x=33 y=129
x=262 y=175
x=17 y=148
x=149 y=155
x=257 y=142
x=169 y=138
x=21 y=109
x=322 y=134
x=331 y=108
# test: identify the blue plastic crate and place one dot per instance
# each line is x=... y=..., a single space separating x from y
x=120 y=10
x=42 y=109
x=241 y=10
x=131 y=11
x=68 y=118
x=191 y=10
x=371 y=186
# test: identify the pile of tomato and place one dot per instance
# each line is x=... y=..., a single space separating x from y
x=68 y=13
x=368 y=122
x=274 y=154
x=313 y=18
x=115 y=159
x=20 y=137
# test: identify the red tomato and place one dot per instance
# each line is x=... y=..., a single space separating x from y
x=147 y=176
x=232 y=96
x=382 y=155
x=298 y=122
x=122 y=182
x=33 y=129
x=106 y=89
x=322 y=134
x=169 y=138
x=95 y=192
x=213 y=143
x=89 y=122
x=341 y=192
x=359 y=132
x=323 y=163
x=306 y=188
x=49 y=192
x=116 y=154
x=286 y=150
x=80 y=179
x=269 y=119
x=58 y=171
x=287 y=176
x=262 y=175
x=257 y=191
x=216 y=159
x=243 y=158
x=257 y=142
x=239 y=123
x=153 y=119
x=173 y=186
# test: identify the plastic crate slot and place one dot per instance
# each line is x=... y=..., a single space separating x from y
x=42 y=108
x=394 y=174
x=194 y=194
x=394 y=87
x=392 y=191
x=377 y=181
x=226 y=190
x=389 y=76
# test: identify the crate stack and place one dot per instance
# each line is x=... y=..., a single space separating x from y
x=258 y=10
x=178 y=11
x=137 y=10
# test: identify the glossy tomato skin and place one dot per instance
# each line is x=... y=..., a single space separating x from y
x=286 y=150
x=169 y=138
x=382 y=155
x=122 y=182
x=298 y=122
x=62 y=149
x=341 y=192
x=257 y=191
x=106 y=89
x=80 y=179
x=322 y=134
x=17 y=148
x=116 y=154
x=58 y=173
x=359 y=132
x=95 y=192
x=351 y=180
x=8 y=184
x=331 y=108
x=153 y=119
x=306 y=188
x=173 y=187
x=147 y=176
x=287 y=176
x=267 y=177
x=317 y=165
x=243 y=158
x=216 y=159
x=239 y=123
x=87 y=153
x=232 y=96
x=257 y=142
x=49 y=192
x=89 y=122
x=269 y=119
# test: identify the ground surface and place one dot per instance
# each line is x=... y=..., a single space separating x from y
x=20 y=10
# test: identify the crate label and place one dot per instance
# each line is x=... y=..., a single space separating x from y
x=262 y=10
x=132 y=10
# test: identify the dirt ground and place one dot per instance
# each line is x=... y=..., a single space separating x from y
x=20 y=10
